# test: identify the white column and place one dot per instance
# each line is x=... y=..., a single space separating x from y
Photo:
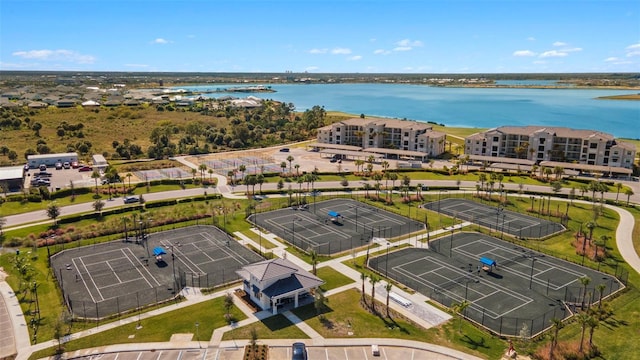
x=296 y=301
x=274 y=307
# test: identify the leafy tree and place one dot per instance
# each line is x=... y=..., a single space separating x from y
x=3 y=222
x=320 y=303
x=98 y=205
x=36 y=127
x=228 y=304
x=313 y=255
x=53 y=211
x=460 y=308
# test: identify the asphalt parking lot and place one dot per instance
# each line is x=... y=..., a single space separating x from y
x=61 y=179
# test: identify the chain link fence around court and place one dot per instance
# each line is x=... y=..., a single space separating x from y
x=568 y=299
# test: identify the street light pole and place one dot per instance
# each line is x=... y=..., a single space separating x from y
x=451 y=242
x=198 y=334
x=533 y=261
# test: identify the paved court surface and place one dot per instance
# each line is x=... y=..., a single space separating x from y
x=496 y=218
x=313 y=227
x=118 y=276
x=525 y=288
x=7 y=341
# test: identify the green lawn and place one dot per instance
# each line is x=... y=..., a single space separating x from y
x=274 y=327
x=209 y=315
x=333 y=279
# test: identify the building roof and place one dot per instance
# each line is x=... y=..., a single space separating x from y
x=498 y=159
x=11 y=172
x=296 y=281
x=395 y=152
x=581 y=167
x=335 y=146
x=51 y=156
x=390 y=123
x=270 y=269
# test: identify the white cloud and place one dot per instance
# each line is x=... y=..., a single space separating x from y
x=559 y=43
x=311 y=68
x=407 y=45
x=318 y=51
x=520 y=53
x=553 y=53
x=633 y=50
x=160 y=41
x=610 y=59
x=408 y=42
x=373 y=40
x=381 y=52
x=56 y=55
x=531 y=38
x=540 y=62
x=572 y=49
x=354 y=58
x=136 y=65
x=341 y=51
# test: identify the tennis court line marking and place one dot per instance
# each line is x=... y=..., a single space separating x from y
x=114 y=272
x=142 y=266
x=183 y=255
x=227 y=250
x=90 y=277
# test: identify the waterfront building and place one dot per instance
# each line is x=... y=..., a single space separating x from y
x=409 y=138
x=550 y=145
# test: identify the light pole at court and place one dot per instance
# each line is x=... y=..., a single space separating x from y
x=502 y=233
x=173 y=267
x=533 y=261
x=498 y=212
x=293 y=231
x=198 y=334
x=451 y=242
x=356 y=208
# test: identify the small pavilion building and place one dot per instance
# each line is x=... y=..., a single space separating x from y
x=277 y=282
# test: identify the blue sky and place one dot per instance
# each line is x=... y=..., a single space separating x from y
x=391 y=36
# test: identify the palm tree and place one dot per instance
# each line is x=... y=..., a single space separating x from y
x=628 y=192
x=242 y=168
x=600 y=288
x=359 y=163
x=314 y=259
x=260 y=180
x=388 y=288
x=202 y=168
x=591 y=225
x=283 y=165
x=96 y=175
x=128 y=176
x=297 y=166
x=210 y=171
x=618 y=187
x=482 y=178
x=593 y=324
x=231 y=176
x=583 y=319
x=585 y=280
x=557 y=324
x=460 y=308
x=363 y=276
x=290 y=159
x=373 y=279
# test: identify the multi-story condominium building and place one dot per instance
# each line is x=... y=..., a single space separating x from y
x=377 y=133
x=556 y=144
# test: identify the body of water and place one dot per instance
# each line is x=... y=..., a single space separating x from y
x=466 y=107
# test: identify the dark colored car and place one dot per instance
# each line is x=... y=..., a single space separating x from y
x=298 y=351
x=284 y=150
x=85 y=168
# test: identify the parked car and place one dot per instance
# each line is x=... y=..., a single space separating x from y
x=85 y=168
x=284 y=150
x=58 y=166
x=26 y=167
x=131 y=199
x=298 y=351
x=75 y=165
x=43 y=167
x=66 y=165
x=43 y=174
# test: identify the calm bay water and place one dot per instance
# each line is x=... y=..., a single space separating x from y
x=466 y=107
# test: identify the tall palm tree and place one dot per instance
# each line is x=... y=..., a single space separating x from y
x=618 y=187
x=290 y=160
x=460 y=308
x=96 y=175
x=600 y=288
x=583 y=319
x=242 y=168
x=388 y=286
x=585 y=280
x=628 y=192
x=260 y=180
x=373 y=279
x=557 y=324
x=593 y=324
x=283 y=165
x=202 y=168
x=363 y=276
x=128 y=176
x=314 y=259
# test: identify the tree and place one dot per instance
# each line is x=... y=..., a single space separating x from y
x=460 y=308
x=202 y=168
x=290 y=160
x=96 y=175
x=98 y=205
x=283 y=165
x=36 y=127
x=585 y=280
x=618 y=188
x=600 y=288
x=363 y=276
x=628 y=192
x=593 y=324
x=53 y=211
x=128 y=176
x=320 y=302
x=373 y=279
x=3 y=222
x=557 y=324
x=260 y=180
x=388 y=288
x=228 y=304
x=314 y=259
x=583 y=319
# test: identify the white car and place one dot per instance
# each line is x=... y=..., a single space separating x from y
x=131 y=199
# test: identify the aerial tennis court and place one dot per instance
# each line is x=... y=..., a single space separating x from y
x=334 y=226
x=497 y=218
x=521 y=289
x=115 y=277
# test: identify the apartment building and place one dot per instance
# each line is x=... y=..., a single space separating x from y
x=377 y=133
x=557 y=144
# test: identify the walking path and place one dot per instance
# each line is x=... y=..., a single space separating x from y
x=424 y=314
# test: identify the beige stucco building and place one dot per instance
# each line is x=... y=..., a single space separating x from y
x=378 y=133
x=557 y=144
